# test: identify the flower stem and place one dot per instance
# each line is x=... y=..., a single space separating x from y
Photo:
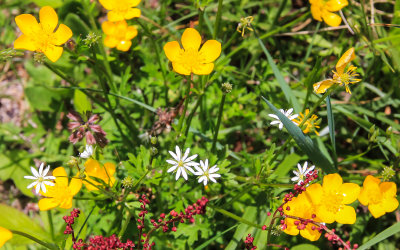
x=221 y=109
x=218 y=18
x=185 y=107
x=45 y=244
x=235 y=217
x=50 y=217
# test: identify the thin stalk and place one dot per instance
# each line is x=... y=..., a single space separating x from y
x=184 y=108
x=221 y=109
x=190 y=117
x=84 y=223
x=218 y=18
x=235 y=217
x=50 y=217
x=125 y=225
x=45 y=244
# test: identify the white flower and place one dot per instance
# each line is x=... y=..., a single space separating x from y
x=302 y=174
x=88 y=152
x=287 y=113
x=207 y=173
x=181 y=163
x=40 y=178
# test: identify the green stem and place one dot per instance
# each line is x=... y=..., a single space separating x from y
x=221 y=109
x=184 y=108
x=235 y=217
x=84 y=223
x=45 y=244
x=190 y=117
x=218 y=18
x=125 y=225
x=50 y=217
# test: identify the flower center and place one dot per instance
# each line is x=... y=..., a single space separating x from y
x=375 y=196
x=180 y=163
x=190 y=57
x=40 y=179
x=44 y=38
x=333 y=201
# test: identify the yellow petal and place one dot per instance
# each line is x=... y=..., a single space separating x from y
x=92 y=167
x=110 y=41
x=332 y=182
x=191 y=39
x=389 y=189
x=172 y=51
x=291 y=228
x=131 y=32
x=181 y=68
x=48 y=18
x=324 y=214
x=62 y=34
x=110 y=168
x=377 y=210
x=322 y=86
x=363 y=197
x=27 y=24
x=210 y=51
x=390 y=204
x=346 y=215
x=24 y=42
x=350 y=192
x=5 y=235
x=66 y=203
x=331 y=19
x=316 y=12
x=48 y=203
x=370 y=180
x=75 y=185
x=314 y=193
x=53 y=52
x=336 y=5
x=61 y=176
x=203 y=69
x=124 y=45
x=107 y=4
x=134 y=3
x=310 y=234
x=132 y=13
x=108 y=28
x=92 y=185
x=115 y=16
x=346 y=58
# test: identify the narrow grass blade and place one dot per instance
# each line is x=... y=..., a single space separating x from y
x=208 y=242
x=304 y=142
x=331 y=125
x=381 y=236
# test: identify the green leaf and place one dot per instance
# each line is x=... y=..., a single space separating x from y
x=250 y=215
x=81 y=101
x=394 y=229
x=41 y=98
x=304 y=142
x=208 y=242
x=286 y=165
x=304 y=247
x=52 y=3
x=331 y=125
x=13 y=219
x=77 y=26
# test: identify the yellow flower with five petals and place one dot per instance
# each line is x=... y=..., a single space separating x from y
x=43 y=36
x=118 y=34
x=380 y=197
x=105 y=173
x=322 y=10
x=5 y=235
x=332 y=198
x=61 y=194
x=190 y=59
x=340 y=76
x=310 y=125
x=121 y=9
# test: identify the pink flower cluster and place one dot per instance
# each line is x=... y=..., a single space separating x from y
x=100 y=242
x=70 y=220
x=248 y=243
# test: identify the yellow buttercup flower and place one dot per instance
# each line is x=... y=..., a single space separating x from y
x=121 y=9
x=105 y=173
x=189 y=59
x=118 y=34
x=331 y=199
x=340 y=77
x=43 y=36
x=380 y=197
x=61 y=194
x=311 y=124
x=5 y=235
x=322 y=10
x=302 y=207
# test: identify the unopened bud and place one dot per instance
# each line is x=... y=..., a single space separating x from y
x=73 y=161
x=153 y=140
x=387 y=173
x=389 y=131
x=39 y=57
x=154 y=151
x=91 y=39
x=226 y=87
x=127 y=182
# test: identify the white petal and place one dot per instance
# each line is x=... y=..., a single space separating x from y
x=275 y=122
x=192 y=163
x=37 y=188
x=280 y=126
x=35 y=172
x=171 y=169
x=294 y=179
x=173 y=155
x=299 y=167
x=43 y=187
x=204 y=180
x=49 y=177
x=178 y=173
x=199 y=171
x=184 y=174
x=186 y=154
x=212 y=179
x=46 y=170
x=49 y=183
x=274 y=116
x=41 y=169
x=304 y=168
x=178 y=152
x=30 y=177
x=191 y=158
x=172 y=162
x=32 y=185
x=189 y=168
x=289 y=111
x=215 y=175
x=213 y=169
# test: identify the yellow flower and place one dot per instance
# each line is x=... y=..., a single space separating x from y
x=5 y=235
x=118 y=34
x=302 y=207
x=340 y=77
x=311 y=124
x=105 y=173
x=121 y=9
x=189 y=59
x=61 y=193
x=380 y=197
x=322 y=10
x=332 y=198
x=43 y=36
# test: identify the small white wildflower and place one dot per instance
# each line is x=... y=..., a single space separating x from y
x=88 y=152
x=181 y=163
x=287 y=113
x=40 y=179
x=207 y=173
x=300 y=176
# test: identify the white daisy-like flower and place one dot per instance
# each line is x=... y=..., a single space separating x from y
x=301 y=175
x=88 y=152
x=40 y=179
x=207 y=173
x=182 y=163
x=287 y=113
